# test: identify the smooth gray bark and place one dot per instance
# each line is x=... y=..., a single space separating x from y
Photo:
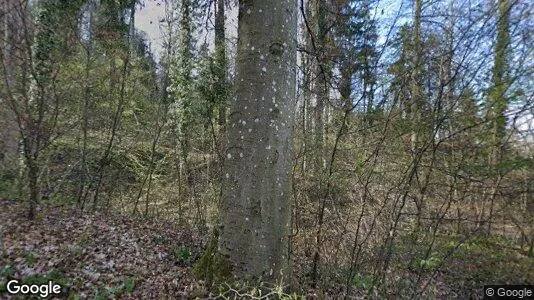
x=255 y=209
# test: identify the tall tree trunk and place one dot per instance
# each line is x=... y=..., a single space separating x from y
x=220 y=52
x=35 y=133
x=498 y=103
x=255 y=210
x=498 y=100
x=90 y=6
x=416 y=76
x=305 y=109
x=33 y=185
x=417 y=102
x=184 y=96
x=320 y=73
x=9 y=135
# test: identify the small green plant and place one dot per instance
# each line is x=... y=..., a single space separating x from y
x=160 y=239
x=59 y=199
x=29 y=257
x=183 y=254
x=129 y=284
x=363 y=282
x=58 y=277
x=431 y=263
x=8 y=185
x=3 y=287
x=100 y=294
x=74 y=297
x=35 y=279
x=7 y=271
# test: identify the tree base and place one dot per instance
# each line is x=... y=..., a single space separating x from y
x=213 y=267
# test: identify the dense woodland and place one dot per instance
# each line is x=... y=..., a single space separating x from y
x=269 y=149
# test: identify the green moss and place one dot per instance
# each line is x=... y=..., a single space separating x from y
x=213 y=266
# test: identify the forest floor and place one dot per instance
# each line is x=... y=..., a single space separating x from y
x=98 y=256
x=104 y=256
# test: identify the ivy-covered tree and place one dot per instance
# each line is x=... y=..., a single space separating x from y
x=498 y=101
x=182 y=87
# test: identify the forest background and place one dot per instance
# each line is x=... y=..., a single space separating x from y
x=412 y=136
